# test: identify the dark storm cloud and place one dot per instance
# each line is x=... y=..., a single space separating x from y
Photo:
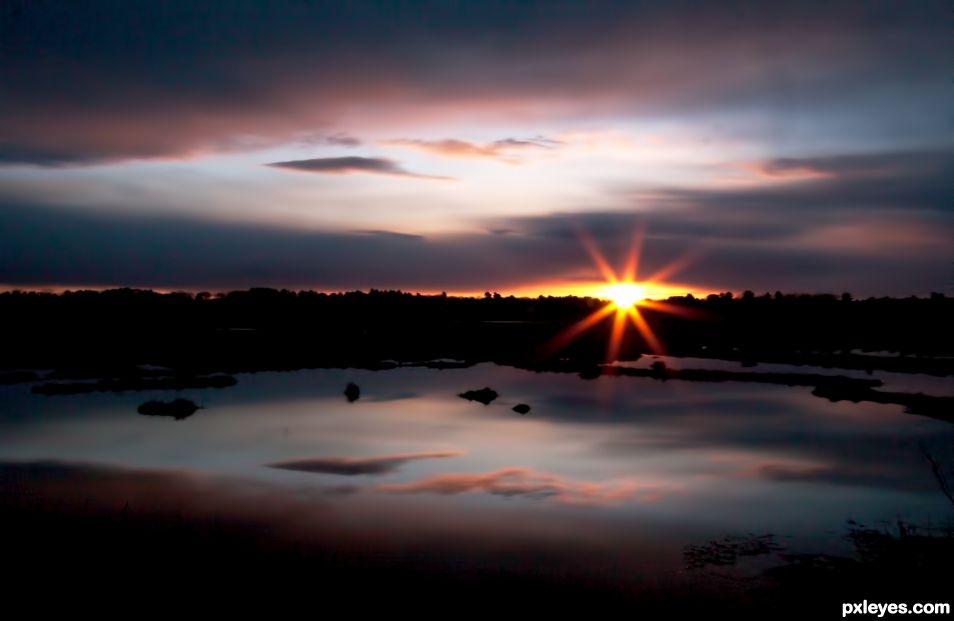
x=100 y=80
x=42 y=244
x=352 y=466
x=884 y=219
x=912 y=188
x=903 y=189
x=348 y=165
x=906 y=180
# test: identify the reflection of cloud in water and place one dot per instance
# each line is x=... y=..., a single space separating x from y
x=529 y=483
x=104 y=487
x=197 y=517
x=350 y=466
x=399 y=396
x=875 y=474
x=738 y=456
x=859 y=445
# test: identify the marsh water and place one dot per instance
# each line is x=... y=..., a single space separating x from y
x=612 y=476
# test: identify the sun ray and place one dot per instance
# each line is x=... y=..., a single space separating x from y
x=642 y=326
x=673 y=267
x=679 y=311
x=580 y=327
x=616 y=337
x=609 y=275
x=632 y=260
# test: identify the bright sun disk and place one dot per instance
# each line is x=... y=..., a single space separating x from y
x=625 y=294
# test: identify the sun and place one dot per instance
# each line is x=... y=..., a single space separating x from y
x=624 y=294
x=625 y=297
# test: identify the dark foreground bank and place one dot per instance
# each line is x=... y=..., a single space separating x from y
x=178 y=544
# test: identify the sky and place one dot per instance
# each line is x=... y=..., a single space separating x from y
x=477 y=146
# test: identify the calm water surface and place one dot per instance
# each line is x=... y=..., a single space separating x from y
x=620 y=472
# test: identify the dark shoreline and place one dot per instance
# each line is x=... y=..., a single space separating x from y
x=101 y=341
x=199 y=542
x=270 y=329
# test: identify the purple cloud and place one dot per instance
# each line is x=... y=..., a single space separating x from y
x=350 y=165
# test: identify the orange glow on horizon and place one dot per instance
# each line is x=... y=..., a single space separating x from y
x=651 y=290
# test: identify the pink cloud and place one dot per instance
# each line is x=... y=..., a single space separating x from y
x=499 y=149
x=771 y=172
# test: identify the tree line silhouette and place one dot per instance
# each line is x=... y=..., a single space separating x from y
x=269 y=328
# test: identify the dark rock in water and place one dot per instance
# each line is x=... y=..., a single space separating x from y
x=659 y=370
x=521 y=408
x=484 y=395
x=351 y=392
x=178 y=409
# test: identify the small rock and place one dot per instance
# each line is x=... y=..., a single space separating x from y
x=484 y=395
x=351 y=392
x=521 y=408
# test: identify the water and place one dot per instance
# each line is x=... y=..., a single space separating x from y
x=614 y=475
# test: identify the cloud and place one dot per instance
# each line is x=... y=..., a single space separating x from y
x=801 y=191
x=338 y=139
x=512 y=482
x=351 y=466
x=874 y=224
x=499 y=149
x=392 y=234
x=348 y=165
x=102 y=81
x=809 y=236
x=160 y=490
